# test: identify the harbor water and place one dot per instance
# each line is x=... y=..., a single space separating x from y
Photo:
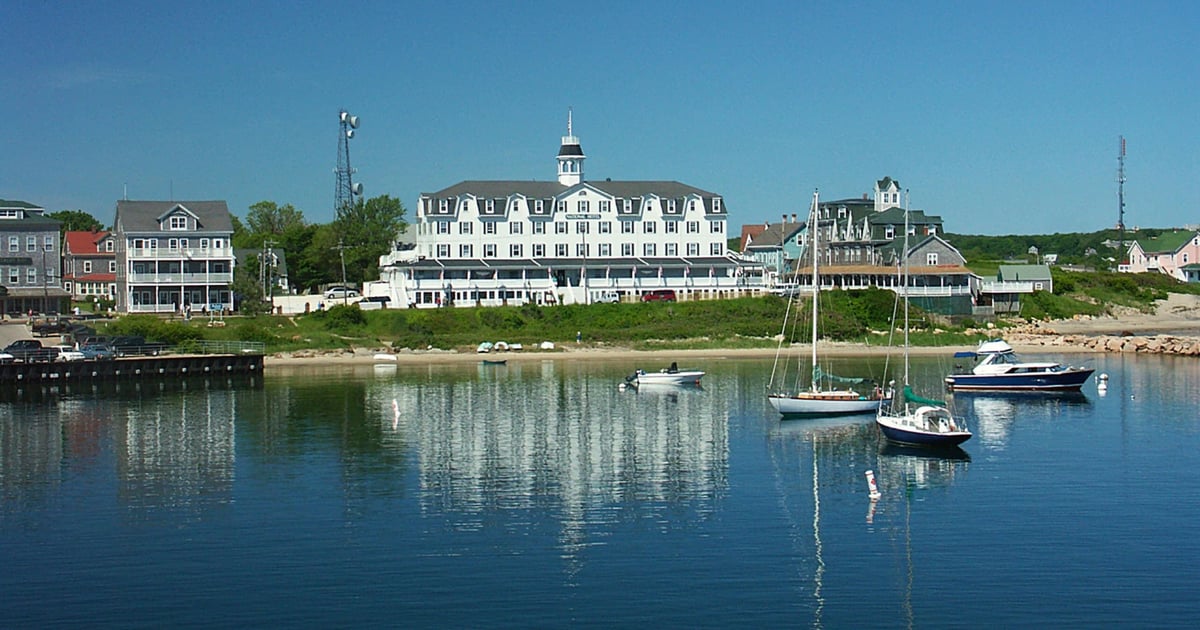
x=539 y=494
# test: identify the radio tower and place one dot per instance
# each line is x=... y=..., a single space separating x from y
x=1121 y=202
x=346 y=189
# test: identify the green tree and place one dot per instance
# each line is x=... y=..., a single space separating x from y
x=367 y=230
x=268 y=220
x=77 y=221
x=248 y=289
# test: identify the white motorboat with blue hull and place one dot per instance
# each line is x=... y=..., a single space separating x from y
x=999 y=369
x=668 y=376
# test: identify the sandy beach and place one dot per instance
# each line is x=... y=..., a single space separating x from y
x=1177 y=315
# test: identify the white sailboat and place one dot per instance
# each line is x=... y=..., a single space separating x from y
x=817 y=400
x=911 y=419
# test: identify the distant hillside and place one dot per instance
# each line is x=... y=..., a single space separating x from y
x=1073 y=248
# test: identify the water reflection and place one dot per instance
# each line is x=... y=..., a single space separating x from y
x=995 y=413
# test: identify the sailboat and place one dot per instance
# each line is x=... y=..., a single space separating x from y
x=815 y=400
x=911 y=419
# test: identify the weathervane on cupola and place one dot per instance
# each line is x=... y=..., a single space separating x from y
x=570 y=157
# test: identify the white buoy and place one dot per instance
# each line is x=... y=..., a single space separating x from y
x=1103 y=378
x=874 y=494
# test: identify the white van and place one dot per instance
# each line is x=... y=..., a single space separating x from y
x=608 y=297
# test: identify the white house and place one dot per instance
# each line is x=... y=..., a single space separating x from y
x=569 y=240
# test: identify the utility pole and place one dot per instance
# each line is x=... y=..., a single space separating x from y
x=267 y=270
x=342 y=254
x=1121 y=203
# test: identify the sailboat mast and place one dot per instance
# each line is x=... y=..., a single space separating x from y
x=905 y=287
x=812 y=228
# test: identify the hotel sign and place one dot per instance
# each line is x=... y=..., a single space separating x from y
x=16 y=261
x=579 y=215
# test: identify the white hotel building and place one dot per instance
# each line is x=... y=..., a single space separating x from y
x=565 y=241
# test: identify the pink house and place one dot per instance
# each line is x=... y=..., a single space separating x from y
x=1166 y=253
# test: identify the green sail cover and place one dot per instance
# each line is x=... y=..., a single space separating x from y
x=819 y=374
x=911 y=397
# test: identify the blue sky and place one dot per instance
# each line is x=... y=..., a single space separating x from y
x=1002 y=117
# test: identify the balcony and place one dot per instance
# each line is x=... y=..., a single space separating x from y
x=180 y=278
x=188 y=253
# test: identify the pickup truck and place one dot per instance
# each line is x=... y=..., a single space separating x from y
x=130 y=345
x=28 y=351
x=45 y=326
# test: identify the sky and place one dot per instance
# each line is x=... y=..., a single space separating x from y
x=1000 y=117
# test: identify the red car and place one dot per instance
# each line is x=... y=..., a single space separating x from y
x=659 y=295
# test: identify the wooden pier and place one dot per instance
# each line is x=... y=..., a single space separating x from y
x=132 y=368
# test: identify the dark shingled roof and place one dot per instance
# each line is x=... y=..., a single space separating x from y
x=144 y=216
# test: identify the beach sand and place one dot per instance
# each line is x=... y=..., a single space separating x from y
x=1177 y=315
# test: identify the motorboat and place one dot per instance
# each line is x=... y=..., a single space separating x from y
x=998 y=368
x=666 y=376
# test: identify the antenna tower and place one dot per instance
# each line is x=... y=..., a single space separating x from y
x=1121 y=201
x=346 y=190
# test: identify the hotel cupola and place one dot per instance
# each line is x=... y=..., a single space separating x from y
x=570 y=158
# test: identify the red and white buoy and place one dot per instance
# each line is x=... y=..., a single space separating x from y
x=874 y=494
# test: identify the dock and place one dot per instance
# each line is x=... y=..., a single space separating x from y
x=132 y=368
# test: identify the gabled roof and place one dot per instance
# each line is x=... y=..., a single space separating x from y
x=143 y=216
x=502 y=189
x=1166 y=243
x=82 y=242
x=895 y=216
x=1016 y=273
x=776 y=234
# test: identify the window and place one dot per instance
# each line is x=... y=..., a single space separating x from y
x=489 y=205
x=31 y=275
x=604 y=205
x=671 y=249
x=628 y=205
x=108 y=245
x=87 y=266
x=514 y=250
x=31 y=243
x=560 y=250
x=516 y=227
x=465 y=251
x=649 y=249
x=538 y=206
x=178 y=222
x=560 y=227
x=672 y=227
x=539 y=227
x=539 y=250
x=203 y=243
x=605 y=250
x=48 y=243
x=443 y=250
x=581 y=250
x=183 y=243
x=718 y=227
x=218 y=243
x=443 y=227
x=14 y=275
x=489 y=227
x=693 y=249
x=717 y=204
x=693 y=227
x=889 y=232
x=112 y=266
x=627 y=227
x=715 y=249
x=627 y=249
x=841 y=212
x=582 y=205
x=173 y=244
x=562 y=206
x=443 y=205
x=931 y=259
x=605 y=227
x=14 y=244
x=489 y=250
x=650 y=227
x=464 y=227
x=581 y=227
x=692 y=206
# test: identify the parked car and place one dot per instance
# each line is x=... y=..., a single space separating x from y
x=336 y=293
x=28 y=351
x=98 y=350
x=133 y=346
x=659 y=295
x=608 y=297
x=63 y=352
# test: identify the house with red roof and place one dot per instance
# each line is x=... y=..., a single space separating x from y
x=90 y=265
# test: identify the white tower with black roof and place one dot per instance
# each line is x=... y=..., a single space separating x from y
x=570 y=158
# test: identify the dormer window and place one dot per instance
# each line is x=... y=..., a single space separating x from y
x=178 y=222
